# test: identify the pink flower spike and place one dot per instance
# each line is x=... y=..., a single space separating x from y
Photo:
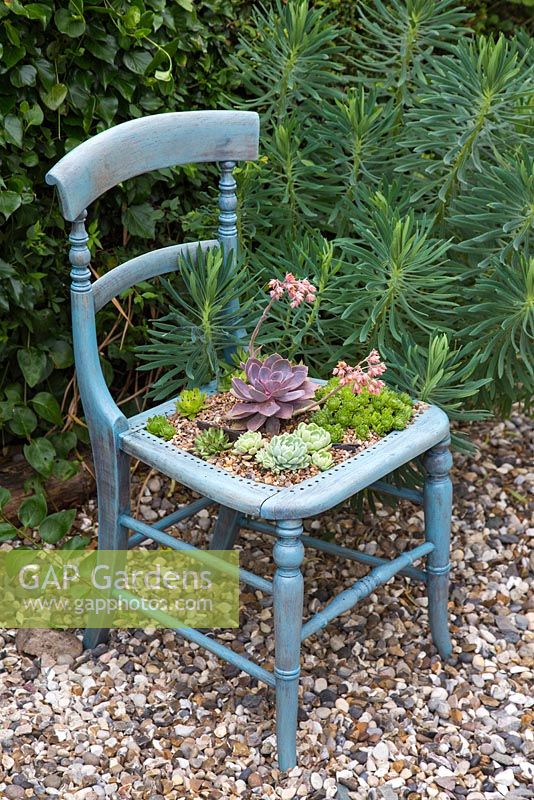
x=373 y=357
x=277 y=288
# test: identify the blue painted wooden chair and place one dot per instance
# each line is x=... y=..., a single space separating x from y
x=84 y=174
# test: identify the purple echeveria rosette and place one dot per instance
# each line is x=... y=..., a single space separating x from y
x=275 y=390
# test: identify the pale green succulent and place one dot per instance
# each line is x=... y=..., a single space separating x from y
x=249 y=443
x=314 y=437
x=284 y=452
x=322 y=459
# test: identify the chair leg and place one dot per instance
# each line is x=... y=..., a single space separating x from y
x=112 y=468
x=437 y=502
x=226 y=529
x=288 y=590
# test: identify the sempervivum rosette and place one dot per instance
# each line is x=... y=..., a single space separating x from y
x=274 y=390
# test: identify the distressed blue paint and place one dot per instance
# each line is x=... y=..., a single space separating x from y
x=225 y=137
x=150 y=143
x=437 y=506
x=288 y=593
x=226 y=529
x=143 y=268
x=104 y=419
x=227 y=231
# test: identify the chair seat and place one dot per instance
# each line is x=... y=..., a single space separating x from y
x=304 y=499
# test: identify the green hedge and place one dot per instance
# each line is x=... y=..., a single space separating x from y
x=67 y=72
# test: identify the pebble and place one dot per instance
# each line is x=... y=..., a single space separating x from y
x=14 y=792
x=380 y=753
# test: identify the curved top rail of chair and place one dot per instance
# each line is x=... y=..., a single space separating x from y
x=151 y=143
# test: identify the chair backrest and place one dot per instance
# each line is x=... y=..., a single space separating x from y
x=122 y=152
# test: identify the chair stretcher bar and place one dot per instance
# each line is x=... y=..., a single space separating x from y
x=215 y=647
x=172 y=519
x=335 y=549
x=396 y=491
x=362 y=588
x=165 y=539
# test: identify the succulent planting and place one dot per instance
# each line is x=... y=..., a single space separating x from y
x=249 y=443
x=190 y=402
x=322 y=459
x=161 y=427
x=363 y=413
x=286 y=452
x=274 y=390
x=314 y=437
x=210 y=442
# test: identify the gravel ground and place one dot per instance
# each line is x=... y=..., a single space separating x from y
x=150 y=716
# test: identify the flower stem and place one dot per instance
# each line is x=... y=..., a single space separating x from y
x=251 y=350
x=318 y=403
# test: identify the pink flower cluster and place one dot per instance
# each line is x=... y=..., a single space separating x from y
x=364 y=375
x=299 y=291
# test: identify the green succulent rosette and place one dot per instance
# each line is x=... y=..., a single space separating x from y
x=286 y=452
x=211 y=442
x=322 y=459
x=314 y=437
x=249 y=443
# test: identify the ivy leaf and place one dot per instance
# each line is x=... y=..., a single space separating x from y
x=46 y=73
x=12 y=55
x=38 y=11
x=137 y=61
x=55 y=97
x=76 y=543
x=32 y=363
x=132 y=18
x=32 y=511
x=7 y=531
x=9 y=202
x=23 y=422
x=63 y=470
x=56 y=526
x=5 y=496
x=64 y=442
x=13 y=130
x=34 y=115
x=107 y=108
x=68 y=23
x=141 y=220
x=61 y=354
x=163 y=75
x=187 y=5
x=105 y=49
x=24 y=75
x=40 y=454
x=46 y=405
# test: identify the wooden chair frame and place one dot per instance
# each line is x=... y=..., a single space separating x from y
x=152 y=143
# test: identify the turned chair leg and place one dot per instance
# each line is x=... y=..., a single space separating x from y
x=437 y=502
x=226 y=529
x=112 y=468
x=288 y=591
